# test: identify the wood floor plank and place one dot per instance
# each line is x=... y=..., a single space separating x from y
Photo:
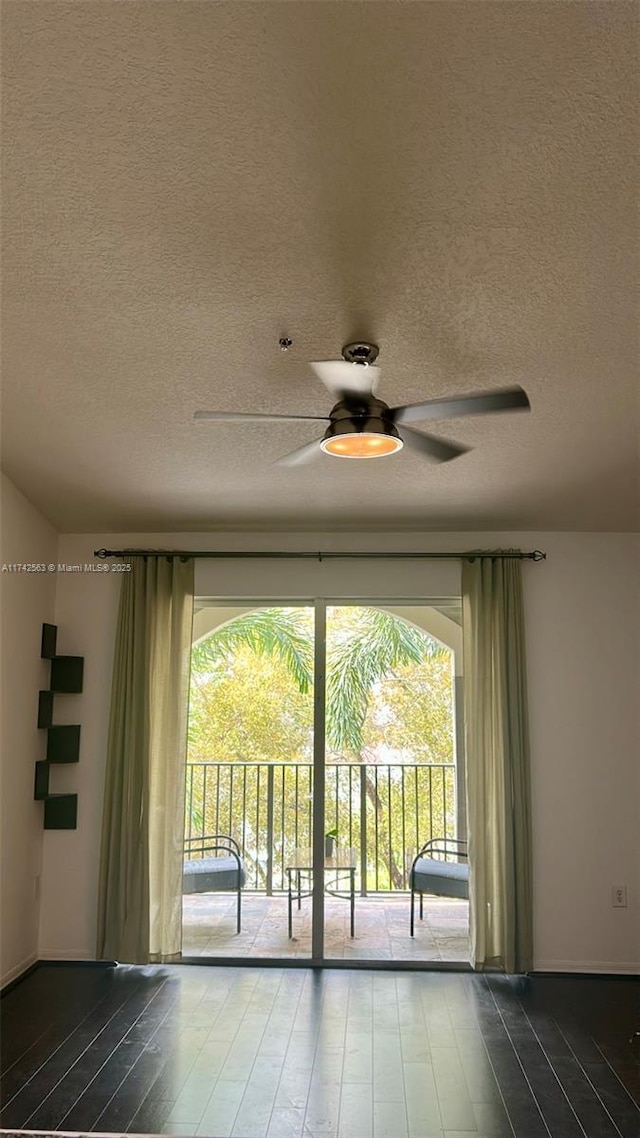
x=293 y=1089
x=222 y=1107
x=286 y=1122
x=388 y=1077
x=421 y=1099
x=355 y=1118
x=390 y=1120
x=254 y=1113
x=456 y=1110
x=323 y=1109
x=521 y=1106
x=151 y=1117
x=615 y=1097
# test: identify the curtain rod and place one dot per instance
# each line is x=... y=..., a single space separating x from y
x=479 y=554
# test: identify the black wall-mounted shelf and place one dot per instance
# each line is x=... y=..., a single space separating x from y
x=63 y=742
x=61 y=812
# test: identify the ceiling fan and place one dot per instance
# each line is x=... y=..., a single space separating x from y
x=362 y=426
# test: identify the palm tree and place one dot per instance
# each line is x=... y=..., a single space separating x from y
x=369 y=648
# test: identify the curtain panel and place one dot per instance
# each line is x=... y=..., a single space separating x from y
x=498 y=777
x=140 y=890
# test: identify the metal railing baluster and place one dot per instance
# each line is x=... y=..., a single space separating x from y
x=244 y=808
x=190 y=774
x=310 y=802
x=417 y=811
x=258 y=801
x=350 y=770
x=270 y=802
x=203 y=824
x=295 y=813
x=444 y=808
x=375 y=815
x=363 y=831
x=282 y=819
x=404 y=836
x=390 y=843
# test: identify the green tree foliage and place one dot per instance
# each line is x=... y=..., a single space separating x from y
x=411 y=712
x=249 y=708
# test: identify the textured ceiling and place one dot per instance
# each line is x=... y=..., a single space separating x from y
x=186 y=182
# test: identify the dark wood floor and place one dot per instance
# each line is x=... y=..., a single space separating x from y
x=278 y=1053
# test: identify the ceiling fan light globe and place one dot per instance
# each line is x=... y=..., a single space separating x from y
x=361 y=446
x=350 y=439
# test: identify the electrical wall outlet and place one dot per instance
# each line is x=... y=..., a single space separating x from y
x=619 y=896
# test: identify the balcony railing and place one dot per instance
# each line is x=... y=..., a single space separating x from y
x=384 y=811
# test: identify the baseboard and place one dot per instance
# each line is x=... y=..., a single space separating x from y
x=17 y=972
x=71 y=963
x=70 y=955
x=593 y=967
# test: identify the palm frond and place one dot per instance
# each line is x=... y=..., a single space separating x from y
x=364 y=653
x=284 y=633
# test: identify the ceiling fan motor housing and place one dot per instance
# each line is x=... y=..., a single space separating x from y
x=361 y=416
x=359 y=409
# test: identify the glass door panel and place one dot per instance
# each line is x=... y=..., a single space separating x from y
x=394 y=774
x=249 y=781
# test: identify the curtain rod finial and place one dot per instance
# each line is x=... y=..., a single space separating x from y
x=538 y=555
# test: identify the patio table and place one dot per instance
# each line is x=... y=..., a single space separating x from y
x=342 y=863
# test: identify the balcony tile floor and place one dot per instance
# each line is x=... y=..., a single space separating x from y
x=381 y=927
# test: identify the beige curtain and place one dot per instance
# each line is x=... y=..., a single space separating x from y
x=497 y=749
x=140 y=893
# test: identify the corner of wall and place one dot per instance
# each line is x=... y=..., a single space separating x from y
x=28 y=539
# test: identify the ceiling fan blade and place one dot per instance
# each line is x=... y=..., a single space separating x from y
x=438 y=450
x=482 y=403
x=344 y=379
x=307 y=453
x=241 y=417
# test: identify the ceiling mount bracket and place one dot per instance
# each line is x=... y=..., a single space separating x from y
x=360 y=353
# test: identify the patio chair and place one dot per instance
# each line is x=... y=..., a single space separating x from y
x=436 y=875
x=221 y=873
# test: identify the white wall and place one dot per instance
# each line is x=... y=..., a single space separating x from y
x=583 y=626
x=27 y=603
x=583 y=619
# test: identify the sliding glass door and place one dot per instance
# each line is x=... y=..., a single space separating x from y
x=323 y=743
